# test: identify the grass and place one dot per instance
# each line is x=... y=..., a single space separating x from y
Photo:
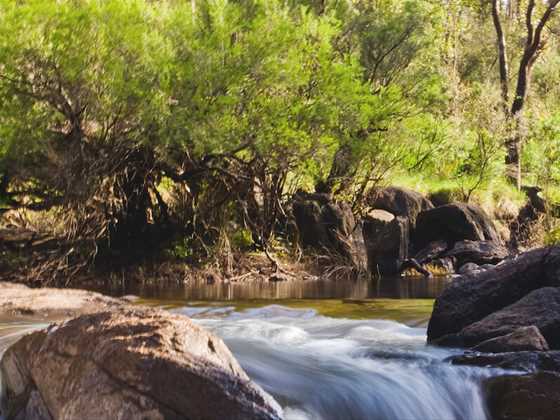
x=488 y=197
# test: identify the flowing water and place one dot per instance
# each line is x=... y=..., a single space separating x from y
x=351 y=356
x=319 y=367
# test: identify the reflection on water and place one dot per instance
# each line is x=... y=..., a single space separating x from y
x=396 y=288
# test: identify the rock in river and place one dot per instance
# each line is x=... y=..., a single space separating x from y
x=540 y=308
x=527 y=397
x=526 y=361
x=472 y=297
x=522 y=339
x=130 y=363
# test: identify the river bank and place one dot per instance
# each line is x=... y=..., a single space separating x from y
x=491 y=338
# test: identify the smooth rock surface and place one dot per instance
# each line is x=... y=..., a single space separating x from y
x=522 y=339
x=22 y=301
x=133 y=363
x=453 y=223
x=540 y=308
x=527 y=397
x=470 y=298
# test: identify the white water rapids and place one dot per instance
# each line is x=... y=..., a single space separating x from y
x=324 y=368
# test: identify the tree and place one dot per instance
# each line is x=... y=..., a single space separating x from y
x=535 y=42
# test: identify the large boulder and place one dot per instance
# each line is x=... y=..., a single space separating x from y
x=540 y=308
x=386 y=240
x=479 y=252
x=522 y=339
x=525 y=397
x=470 y=298
x=453 y=223
x=400 y=202
x=329 y=226
x=131 y=363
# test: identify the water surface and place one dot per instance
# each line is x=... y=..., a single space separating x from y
x=325 y=368
x=390 y=287
x=329 y=350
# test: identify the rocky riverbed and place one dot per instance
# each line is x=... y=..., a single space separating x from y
x=119 y=361
x=492 y=353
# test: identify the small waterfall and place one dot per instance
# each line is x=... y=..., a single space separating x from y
x=323 y=368
x=10 y=332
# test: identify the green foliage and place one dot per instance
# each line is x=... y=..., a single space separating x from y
x=214 y=115
x=242 y=240
x=552 y=237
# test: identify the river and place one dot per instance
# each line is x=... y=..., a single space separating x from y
x=355 y=353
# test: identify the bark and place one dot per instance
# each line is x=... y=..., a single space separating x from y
x=502 y=53
x=534 y=44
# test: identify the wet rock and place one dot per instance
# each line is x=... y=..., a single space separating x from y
x=470 y=298
x=527 y=361
x=326 y=225
x=386 y=240
x=522 y=339
x=400 y=202
x=478 y=252
x=540 y=308
x=129 y=364
x=453 y=223
x=527 y=397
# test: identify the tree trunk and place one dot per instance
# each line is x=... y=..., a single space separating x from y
x=341 y=170
x=534 y=44
x=502 y=55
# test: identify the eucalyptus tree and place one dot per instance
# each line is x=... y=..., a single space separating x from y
x=537 y=17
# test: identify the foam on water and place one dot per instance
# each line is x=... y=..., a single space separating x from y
x=324 y=368
x=10 y=332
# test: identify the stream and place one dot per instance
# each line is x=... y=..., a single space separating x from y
x=346 y=366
